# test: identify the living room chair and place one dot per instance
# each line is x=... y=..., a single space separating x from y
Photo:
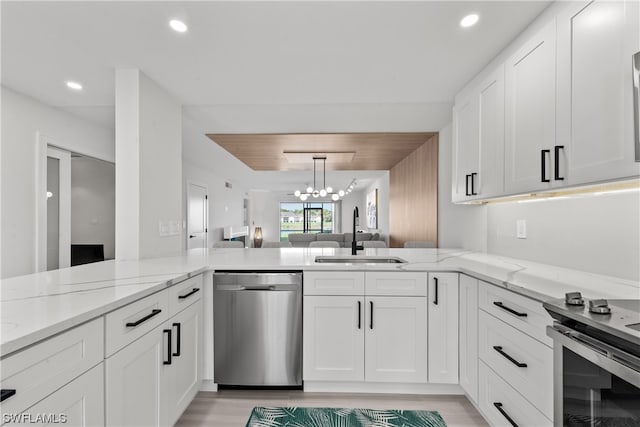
x=276 y=245
x=419 y=244
x=324 y=244
x=374 y=244
x=228 y=244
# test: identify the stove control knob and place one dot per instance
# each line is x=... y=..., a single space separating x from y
x=599 y=306
x=573 y=298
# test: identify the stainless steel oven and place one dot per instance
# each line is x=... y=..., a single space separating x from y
x=596 y=361
x=595 y=384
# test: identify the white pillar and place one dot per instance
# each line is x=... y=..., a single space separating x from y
x=148 y=168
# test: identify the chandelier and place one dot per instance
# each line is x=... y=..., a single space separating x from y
x=325 y=191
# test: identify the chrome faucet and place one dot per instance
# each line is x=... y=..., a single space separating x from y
x=354 y=245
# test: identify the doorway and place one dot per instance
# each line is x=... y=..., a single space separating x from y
x=312 y=220
x=197 y=215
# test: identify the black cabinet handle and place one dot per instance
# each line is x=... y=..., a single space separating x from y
x=498 y=406
x=543 y=163
x=511 y=359
x=6 y=393
x=556 y=172
x=371 y=318
x=473 y=191
x=191 y=236
x=168 y=332
x=510 y=310
x=466 y=185
x=435 y=300
x=153 y=313
x=178 y=339
x=359 y=315
x=187 y=295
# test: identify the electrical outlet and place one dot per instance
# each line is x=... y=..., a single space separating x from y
x=521 y=229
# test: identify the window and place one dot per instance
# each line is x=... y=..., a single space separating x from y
x=305 y=218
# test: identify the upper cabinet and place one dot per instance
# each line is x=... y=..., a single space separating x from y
x=557 y=112
x=530 y=119
x=478 y=141
x=595 y=108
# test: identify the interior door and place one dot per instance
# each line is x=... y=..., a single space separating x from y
x=197 y=208
x=58 y=209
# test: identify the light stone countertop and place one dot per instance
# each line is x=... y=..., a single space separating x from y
x=37 y=306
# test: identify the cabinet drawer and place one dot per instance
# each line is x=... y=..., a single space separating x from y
x=333 y=283
x=183 y=294
x=506 y=350
x=40 y=370
x=520 y=312
x=130 y=322
x=396 y=283
x=495 y=395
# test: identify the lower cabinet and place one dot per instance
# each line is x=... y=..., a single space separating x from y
x=469 y=336
x=443 y=328
x=395 y=339
x=137 y=382
x=152 y=380
x=79 y=403
x=379 y=339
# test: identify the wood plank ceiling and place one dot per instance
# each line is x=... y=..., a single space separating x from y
x=344 y=151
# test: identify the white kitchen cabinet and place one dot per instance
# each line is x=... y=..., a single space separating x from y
x=138 y=382
x=396 y=339
x=443 y=328
x=478 y=141
x=333 y=338
x=469 y=336
x=366 y=337
x=530 y=113
x=78 y=403
x=595 y=108
x=466 y=155
x=184 y=371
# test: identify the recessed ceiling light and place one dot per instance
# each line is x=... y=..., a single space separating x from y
x=178 y=26
x=74 y=85
x=469 y=20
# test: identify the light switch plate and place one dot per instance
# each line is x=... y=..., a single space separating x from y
x=521 y=229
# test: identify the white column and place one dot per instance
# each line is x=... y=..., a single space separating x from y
x=148 y=168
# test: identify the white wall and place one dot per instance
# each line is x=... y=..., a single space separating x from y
x=226 y=205
x=264 y=211
x=459 y=226
x=22 y=119
x=93 y=203
x=599 y=234
x=355 y=198
x=148 y=168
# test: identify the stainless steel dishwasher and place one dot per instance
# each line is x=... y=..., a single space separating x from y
x=257 y=328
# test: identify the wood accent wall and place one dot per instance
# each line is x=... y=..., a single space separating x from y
x=413 y=196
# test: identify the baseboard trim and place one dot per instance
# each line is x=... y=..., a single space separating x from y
x=208 y=385
x=392 y=388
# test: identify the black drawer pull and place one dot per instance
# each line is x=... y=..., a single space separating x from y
x=498 y=406
x=371 y=319
x=473 y=191
x=6 y=393
x=168 y=361
x=466 y=185
x=556 y=171
x=510 y=310
x=509 y=358
x=187 y=295
x=543 y=163
x=359 y=315
x=154 y=312
x=178 y=339
x=435 y=301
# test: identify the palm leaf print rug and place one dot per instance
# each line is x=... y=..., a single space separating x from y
x=342 y=417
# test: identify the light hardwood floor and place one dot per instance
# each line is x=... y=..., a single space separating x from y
x=231 y=408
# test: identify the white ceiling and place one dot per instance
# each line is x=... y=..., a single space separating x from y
x=265 y=66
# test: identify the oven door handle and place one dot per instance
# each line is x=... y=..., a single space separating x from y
x=614 y=360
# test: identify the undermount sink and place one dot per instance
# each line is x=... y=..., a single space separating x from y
x=359 y=260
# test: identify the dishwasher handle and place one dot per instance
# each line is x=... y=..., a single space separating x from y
x=260 y=288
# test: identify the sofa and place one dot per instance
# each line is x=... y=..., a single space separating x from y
x=302 y=240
